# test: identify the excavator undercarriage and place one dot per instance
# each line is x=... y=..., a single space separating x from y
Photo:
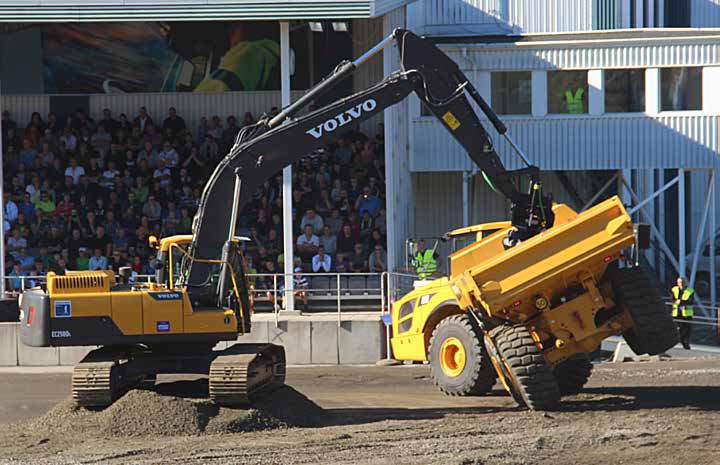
x=235 y=375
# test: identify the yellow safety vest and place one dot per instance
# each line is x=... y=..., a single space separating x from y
x=574 y=102
x=687 y=310
x=426 y=263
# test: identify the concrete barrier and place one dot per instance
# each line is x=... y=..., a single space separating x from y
x=308 y=339
x=8 y=344
x=324 y=342
x=361 y=341
x=38 y=356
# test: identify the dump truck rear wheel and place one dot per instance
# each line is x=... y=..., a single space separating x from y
x=459 y=365
x=654 y=330
x=572 y=374
x=522 y=367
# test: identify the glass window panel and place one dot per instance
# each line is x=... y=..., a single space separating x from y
x=624 y=90
x=511 y=92
x=681 y=89
x=567 y=92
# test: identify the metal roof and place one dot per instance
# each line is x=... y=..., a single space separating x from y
x=190 y=10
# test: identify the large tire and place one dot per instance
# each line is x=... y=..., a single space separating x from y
x=459 y=365
x=522 y=366
x=654 y=330
x=572 y=374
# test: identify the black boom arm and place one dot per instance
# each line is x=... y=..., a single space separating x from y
x=264 y=149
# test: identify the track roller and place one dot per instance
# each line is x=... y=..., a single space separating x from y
x=244 y=370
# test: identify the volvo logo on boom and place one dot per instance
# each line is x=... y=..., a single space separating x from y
x=343 y=118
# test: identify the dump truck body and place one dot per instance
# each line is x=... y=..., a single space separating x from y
x=556 y=284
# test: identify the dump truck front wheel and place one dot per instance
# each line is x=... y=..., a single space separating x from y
x=653 y=330
x=459 y=365
x=572 y=374
x=522 y=368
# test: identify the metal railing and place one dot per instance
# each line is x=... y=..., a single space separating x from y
x=340 y=288
x=18 y=284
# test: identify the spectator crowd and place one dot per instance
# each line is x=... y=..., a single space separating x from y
x=85 y=194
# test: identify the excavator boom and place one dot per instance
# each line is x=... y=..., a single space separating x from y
x=264 y=149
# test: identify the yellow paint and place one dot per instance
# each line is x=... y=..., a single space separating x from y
x=161 y=310
x=127 y=311
x=84 y=304
x=521 y=284
x=211 y=321
x=452 y=357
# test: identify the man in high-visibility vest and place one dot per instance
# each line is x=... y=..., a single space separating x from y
x=425 y=260
x=682 y=309
x=574 y=101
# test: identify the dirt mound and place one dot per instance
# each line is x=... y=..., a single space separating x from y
x=148 y=413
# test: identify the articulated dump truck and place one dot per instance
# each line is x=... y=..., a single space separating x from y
x=529 y=314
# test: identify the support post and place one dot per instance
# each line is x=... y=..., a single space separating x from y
x=701 y=231
x=465 y=198
x=713 y=231
x=681 y=222
x=2 y=214
x=288 y=252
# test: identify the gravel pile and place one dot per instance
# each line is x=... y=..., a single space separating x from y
x=147 y=413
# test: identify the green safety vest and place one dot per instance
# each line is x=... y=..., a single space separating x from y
x=425 y=263
x=687 y=310
x=574 y=102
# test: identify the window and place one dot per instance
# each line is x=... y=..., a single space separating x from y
x=624 y=90
x=567 y=92
x=511 y=93
x=681 y=89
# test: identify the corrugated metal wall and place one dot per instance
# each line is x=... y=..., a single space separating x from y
x=365 y=34
x=462 y=17
x=398 y=183
x=191 y=106
x=588 y=56
x=705 y=13
x=551 y=15
x=580 y=143
x=21 y=107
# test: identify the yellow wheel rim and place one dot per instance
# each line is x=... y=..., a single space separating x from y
x=452 y=357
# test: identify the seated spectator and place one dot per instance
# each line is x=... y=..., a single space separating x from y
x=16 y=283
x=169 y=155
x=341 y=264
x=378 y=260
x=16 y=243
x=358 y=259
x=367 y=202
x=152 y=209
x=328 y=240
x=346 y=240
x=335 y=221
x=45 y=204
x=308 y=244
x=98 y=261
x=321 y=263
x=25 y=260
x=313 y=219
x=174 y=123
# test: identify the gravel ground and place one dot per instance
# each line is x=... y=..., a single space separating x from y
x=651 y=413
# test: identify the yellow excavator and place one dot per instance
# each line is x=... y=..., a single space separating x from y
x=200 y=295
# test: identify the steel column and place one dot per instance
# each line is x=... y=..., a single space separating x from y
x=681 y=223
x=713 y=230
x=288 y=252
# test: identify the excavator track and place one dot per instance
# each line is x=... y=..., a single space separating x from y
x=241 y=372
x=103 y=376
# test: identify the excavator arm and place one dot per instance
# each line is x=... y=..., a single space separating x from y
x=263 y=149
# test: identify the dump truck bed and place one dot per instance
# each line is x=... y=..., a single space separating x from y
x=576 y=247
